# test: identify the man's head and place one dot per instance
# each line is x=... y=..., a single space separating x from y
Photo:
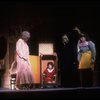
x=65 y=39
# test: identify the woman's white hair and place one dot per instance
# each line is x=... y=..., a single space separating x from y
x=25 y=34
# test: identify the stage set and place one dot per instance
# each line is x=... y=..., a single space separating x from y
x=47 y=22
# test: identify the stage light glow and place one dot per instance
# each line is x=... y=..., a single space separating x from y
x=46 y=48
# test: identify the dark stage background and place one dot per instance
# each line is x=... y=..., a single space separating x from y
x=47 y=21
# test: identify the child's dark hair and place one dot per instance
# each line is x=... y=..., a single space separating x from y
x=50 y=63
x=86 y=36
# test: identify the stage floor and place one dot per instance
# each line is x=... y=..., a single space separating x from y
x=51 y=93
x=49 y=89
